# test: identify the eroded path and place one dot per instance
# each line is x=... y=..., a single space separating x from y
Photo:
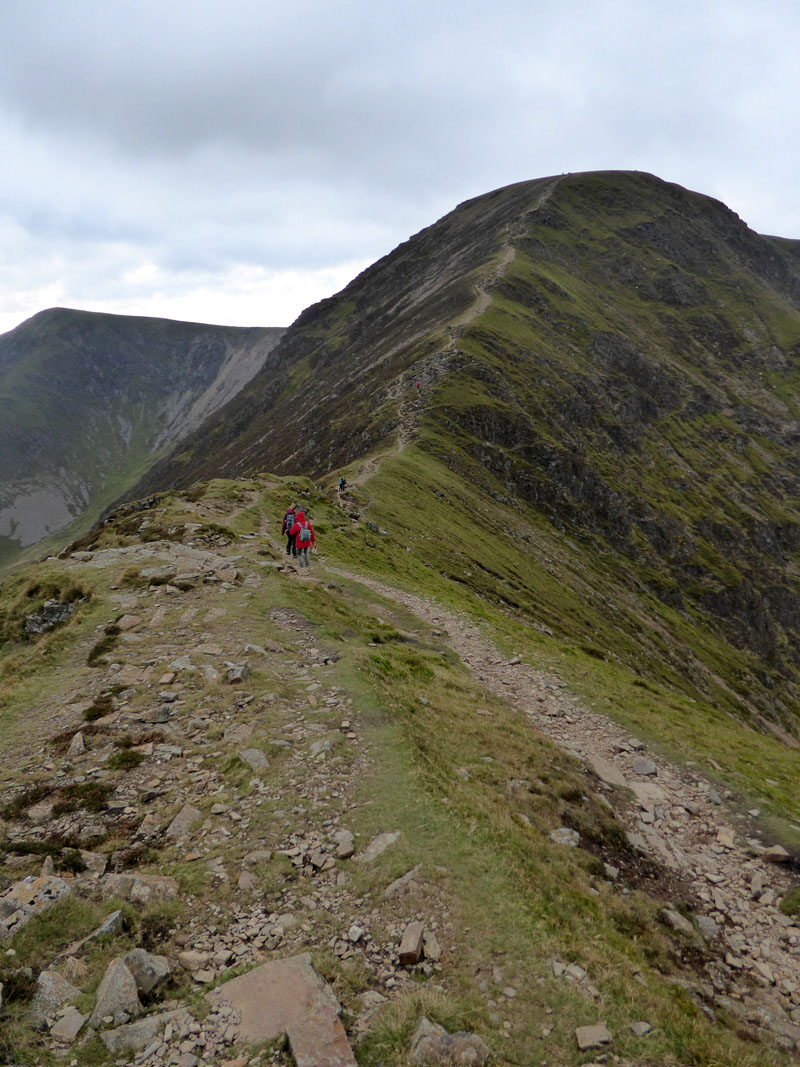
x=677 y=818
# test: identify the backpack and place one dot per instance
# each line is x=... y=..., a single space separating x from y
x=288 y=520
x=304 y=536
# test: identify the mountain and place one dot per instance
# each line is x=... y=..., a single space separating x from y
x=510 y=770
x=89 y=401
x=611 y=364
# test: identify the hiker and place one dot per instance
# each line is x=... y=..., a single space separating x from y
x=303 y=538
x=288 y=523
x=342 y=485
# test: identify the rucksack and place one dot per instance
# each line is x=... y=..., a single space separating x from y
x=305 y=534
x=288 y=520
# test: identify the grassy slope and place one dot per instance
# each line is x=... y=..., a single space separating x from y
x=420 y=709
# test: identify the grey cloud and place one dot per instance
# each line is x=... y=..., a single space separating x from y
x=199 y=136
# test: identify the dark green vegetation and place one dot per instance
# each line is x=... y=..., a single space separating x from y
x=89 y=401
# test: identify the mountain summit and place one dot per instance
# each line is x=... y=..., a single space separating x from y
x=611 y=356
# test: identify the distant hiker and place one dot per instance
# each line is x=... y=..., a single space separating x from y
x=419 y=388
x=342 y=485
x=304 y=537
x=288 y=523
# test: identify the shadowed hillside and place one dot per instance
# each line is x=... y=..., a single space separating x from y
x=613 y=361
x=88 y=401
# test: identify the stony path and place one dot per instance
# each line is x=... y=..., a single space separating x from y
x=677 y=819
x=271 y=855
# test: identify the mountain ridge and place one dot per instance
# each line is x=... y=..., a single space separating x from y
x=608 y=349
x=88 y=401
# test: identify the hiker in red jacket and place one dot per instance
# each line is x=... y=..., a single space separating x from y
x=303 y=533
x=288 y=523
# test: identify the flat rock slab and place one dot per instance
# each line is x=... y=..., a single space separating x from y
x=183 y=822
x=378 y=845
x=137 y=1036
x=607 y=772
x=589 y=1037
x=289 y=997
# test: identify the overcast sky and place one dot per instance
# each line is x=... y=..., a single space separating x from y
x=233 y=161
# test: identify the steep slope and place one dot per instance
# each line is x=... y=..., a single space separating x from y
x=611 y=357
x=89 y=401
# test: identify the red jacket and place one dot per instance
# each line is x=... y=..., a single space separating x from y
x=300 y=522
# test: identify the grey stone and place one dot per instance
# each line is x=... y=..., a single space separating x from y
x=565 y=835
x=431 y=1044
x=641 y=1028
x=27 y=898
x=116 y=996
x=67 y=1028
x=53 y=613
x=644 y=766
x=430 y=946
x=140 y=888
x=589 y=1037
x=77 y=745
x=238 y=733
x=345 y=844
x=676 y=921
x=401 y=883
x=607 y=772
x=139 y=1035
x=410 y=949
x=288 y=997
x=236 y=673
x=183 y=822
x=255 y=758
x=776 y=854
x=148 y=970
x=378 y=845
x=707 y=927
x=52 y=993
x=320 y=748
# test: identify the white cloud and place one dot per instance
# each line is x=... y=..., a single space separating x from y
x=164 y=158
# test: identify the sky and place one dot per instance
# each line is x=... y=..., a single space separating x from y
x=234 y=161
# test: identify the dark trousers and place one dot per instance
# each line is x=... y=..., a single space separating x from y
x=290 y=546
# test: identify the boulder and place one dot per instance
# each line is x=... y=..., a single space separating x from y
x=410 y=949
x=148 y=970
x=378 y=845
x=140 y=888
x=432 y=1045
x=776 y=854
x=589 y=1037
x=288 y=997
x=52 y=993
x=117 y=996
x=183 y=822
x=67 y=1028
x=139 y=1035
x=255 y=758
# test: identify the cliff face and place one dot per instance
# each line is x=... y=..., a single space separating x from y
x=89 y=401
x=615 y=352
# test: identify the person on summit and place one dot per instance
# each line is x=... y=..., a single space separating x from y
x=288 y=523
x=303 y=533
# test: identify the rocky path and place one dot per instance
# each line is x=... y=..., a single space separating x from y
x=248 y=759
x=426 y=372
x=673 y=815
